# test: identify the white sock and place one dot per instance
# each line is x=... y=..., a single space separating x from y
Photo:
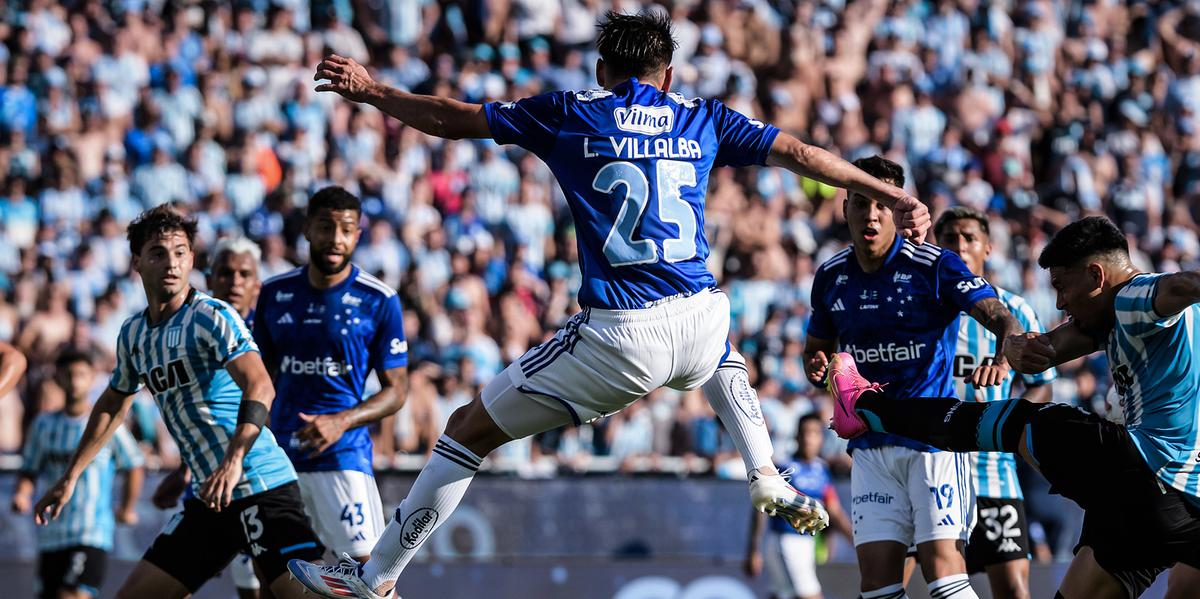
x=434 y=495
x=955 y=586
x=736 y=404
x=895 y=591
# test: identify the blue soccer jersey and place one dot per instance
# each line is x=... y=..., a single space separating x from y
x=1155 y=362
x=87 y=519
x=321 y=344
x=181 y=360
x=900 y=323
x=995 y=472
x=811 y=478
x=634 y=165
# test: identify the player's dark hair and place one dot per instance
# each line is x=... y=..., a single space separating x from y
x=883 y=169
x=635 y=45
x=1084 y=239
x=156 y=221
x=70 y=356
x=958 y=213
x=811 y=416
x=333 y=198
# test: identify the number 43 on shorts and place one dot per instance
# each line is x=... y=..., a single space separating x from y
x=352 y=514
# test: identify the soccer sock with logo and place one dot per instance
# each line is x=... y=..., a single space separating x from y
x=434 y=495
x=955 y=586
x=736 y=404
x=947 y=423
x=895 y=591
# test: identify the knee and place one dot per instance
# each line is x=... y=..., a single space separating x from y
x=473 y=427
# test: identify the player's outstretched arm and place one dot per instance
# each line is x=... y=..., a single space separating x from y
x=1176 y=292
x=248 y=372
x=107 y=415
x=323 y=430
x=997 y=318
x=440 y=117
x=1031 y=353
x=912 y=217
x=12 y=367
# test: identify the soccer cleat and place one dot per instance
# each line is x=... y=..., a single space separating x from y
x=342 y=580
x=847 y=385
x=772 y=495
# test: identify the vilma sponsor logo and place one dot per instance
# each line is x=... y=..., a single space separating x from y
x=901 y=277
x=280 y=296
x=351 y=300
x=648 y=120
x=417 y=526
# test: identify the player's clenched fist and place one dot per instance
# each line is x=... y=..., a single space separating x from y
x=1029 y=353
x=345 y=77
x=52 y=503
x=816 y=367
x=912 y=218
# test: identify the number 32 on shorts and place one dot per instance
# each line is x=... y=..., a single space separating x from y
x=671 y=176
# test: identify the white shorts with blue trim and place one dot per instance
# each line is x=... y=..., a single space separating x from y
x=345 y=510
x=604 y=360
x=909 y=496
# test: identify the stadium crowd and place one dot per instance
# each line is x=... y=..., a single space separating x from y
x=1036 y=112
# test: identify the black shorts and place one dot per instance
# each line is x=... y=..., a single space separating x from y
x=271 y=526
x=73 y=568
x=1135 y=525
x=1001 y=533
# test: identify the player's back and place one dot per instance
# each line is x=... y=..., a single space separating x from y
x=634 y=163
x=1154 y=362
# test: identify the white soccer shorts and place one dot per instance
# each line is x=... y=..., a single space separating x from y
x=604 y=360
x=909 y=496
x=791 y=565
x=344 y=508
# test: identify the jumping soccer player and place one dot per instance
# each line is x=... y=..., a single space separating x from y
x=896 y=305
x=73 y=550
x=197 y=358
x=233 y=278
x=1138 y=482
x=322 y=329
x=999 y=544
x=634 y=161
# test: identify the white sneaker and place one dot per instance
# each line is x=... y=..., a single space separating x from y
x=772 y=495
x=338 y=581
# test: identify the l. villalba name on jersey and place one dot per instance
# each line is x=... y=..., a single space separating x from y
x=892 y=352
x=651 y=147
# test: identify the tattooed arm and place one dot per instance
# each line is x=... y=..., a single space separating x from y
x=995 y=317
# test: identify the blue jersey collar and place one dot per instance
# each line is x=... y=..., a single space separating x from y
x=345 y=283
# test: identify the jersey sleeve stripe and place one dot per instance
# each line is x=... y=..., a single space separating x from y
x=285 y=275
x=375 y=283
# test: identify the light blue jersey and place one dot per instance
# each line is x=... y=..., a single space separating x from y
x=88 y=518
x=182 y=362
x=1155 y=362
x=995 y=472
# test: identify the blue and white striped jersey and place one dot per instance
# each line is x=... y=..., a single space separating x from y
x=995 y=472
x=1155 y=362
x=182 y=362
x=88 y=518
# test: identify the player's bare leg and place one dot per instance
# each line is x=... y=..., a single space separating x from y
x=148 y=580
x=1085 y=579
x=881 y=567
x=1009 y=580
x=945 y=568
x=1183 y=582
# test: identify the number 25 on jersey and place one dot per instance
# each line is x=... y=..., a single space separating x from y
x=620 y=248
